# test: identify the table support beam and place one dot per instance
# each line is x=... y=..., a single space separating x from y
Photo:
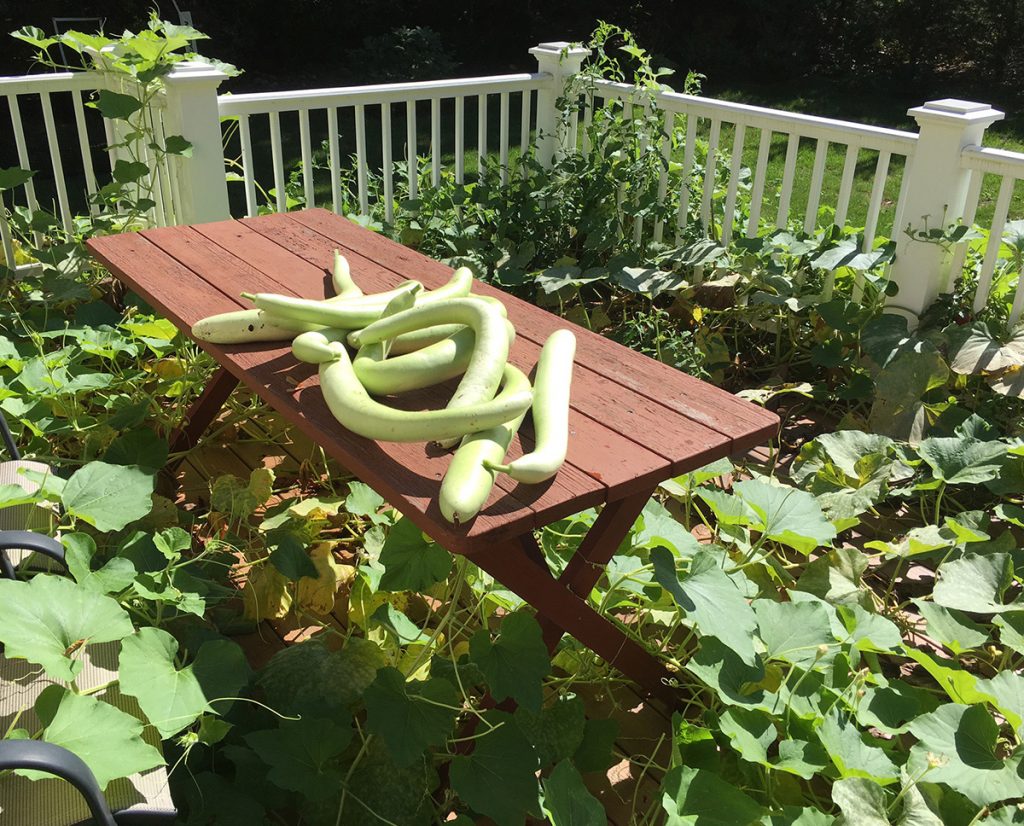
x=514 y=564
x=202 y=413
x=598 y=546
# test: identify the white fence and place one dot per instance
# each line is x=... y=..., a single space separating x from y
x=940 y=168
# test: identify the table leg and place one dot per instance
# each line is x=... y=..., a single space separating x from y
x=514 y=564
x=598 y=546
x=202 y=412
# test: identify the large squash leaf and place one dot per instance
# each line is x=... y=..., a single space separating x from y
x=49 y=618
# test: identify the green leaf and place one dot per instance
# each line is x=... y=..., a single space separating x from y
x=710 y=599
x=955 y=630
x=787 y=515
x=300 y=754
x=750 y=733
x=835 y=577
x=13 y=176
x=963 y=461
x=43 y=618
x=974 y=351
x=976 y=584
x=178 y=145
x=869 y=631
x=34 y=36
x=862 y=802
x=568 y=802
x=595 y=752
x=959 y=684
x=729 y=510
x=898 y=410
x=497 y=778
x=411 y=561
x=696 y=797
x=659 y=527
x=719 y=667
x=289 y=556
x=557 y=731
x=795 y=632
x=116 y=575
x=171 y=697
x=516 y=662
x=1007 y=692
x=126 y=172
x=852 y=756
x=106 y=738
x=410 y=716
x=115 y=106
x=964 y=741
x=108 y=497
x=1011 y=630
x=362 y=500
x=799 y=757
x=140 y=447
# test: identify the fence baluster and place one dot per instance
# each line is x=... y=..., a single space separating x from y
x=361 y=162
x=411 y=158
x=83 y=145
x=56 y=164
x=846 y=184
x=729 y=218
x=875 y=200
x=788 y=173
x=307 y=159
x=956 y=265
x=682 y=217
x=275 y=153
x=817 y=180
x=710 y=169
x=248 y=166
x=435 y=142
x=760 y=173
x=481 y=135
x=334 y=153
x=995 y=240
x=460 y=139
x=503 y=136
x=385 y=142
x=667 y=128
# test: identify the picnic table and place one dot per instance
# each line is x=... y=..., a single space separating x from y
x=634 y=421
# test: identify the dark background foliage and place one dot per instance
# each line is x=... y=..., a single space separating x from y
x=920 y=47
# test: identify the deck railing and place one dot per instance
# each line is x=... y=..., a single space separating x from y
x=932 y=177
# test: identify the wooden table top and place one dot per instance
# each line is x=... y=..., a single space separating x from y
x=634 y=421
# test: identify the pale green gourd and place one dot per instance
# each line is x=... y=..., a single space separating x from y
x=353 y=407
x=551 y=391
x=341 y=278
x=468 y=481
x=430 y=365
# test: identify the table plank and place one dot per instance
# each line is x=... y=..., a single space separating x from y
x=745 y=423
x=650 y=427
x=292 y=388
x=228 y=273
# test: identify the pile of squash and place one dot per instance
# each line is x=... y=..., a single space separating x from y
x=409 y=338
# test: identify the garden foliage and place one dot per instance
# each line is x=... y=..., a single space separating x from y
x=845 y=621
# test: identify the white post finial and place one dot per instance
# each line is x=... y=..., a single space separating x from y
x=192 y=113
x=561 y=60
x=936 y=191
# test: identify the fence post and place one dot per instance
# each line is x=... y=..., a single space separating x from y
x=560 y=60
x=934 y=196
x=202 y=190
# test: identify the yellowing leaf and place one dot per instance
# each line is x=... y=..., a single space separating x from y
x=261 y=484
x=266 y=594
x=317 y=595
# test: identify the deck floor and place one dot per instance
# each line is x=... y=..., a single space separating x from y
x=629 y=790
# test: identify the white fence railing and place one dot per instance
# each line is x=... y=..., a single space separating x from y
x=933 y=177
x=360 y=104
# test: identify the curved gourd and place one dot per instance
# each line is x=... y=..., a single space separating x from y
x=427 y=366
x=468 y=481
x=550 y=412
